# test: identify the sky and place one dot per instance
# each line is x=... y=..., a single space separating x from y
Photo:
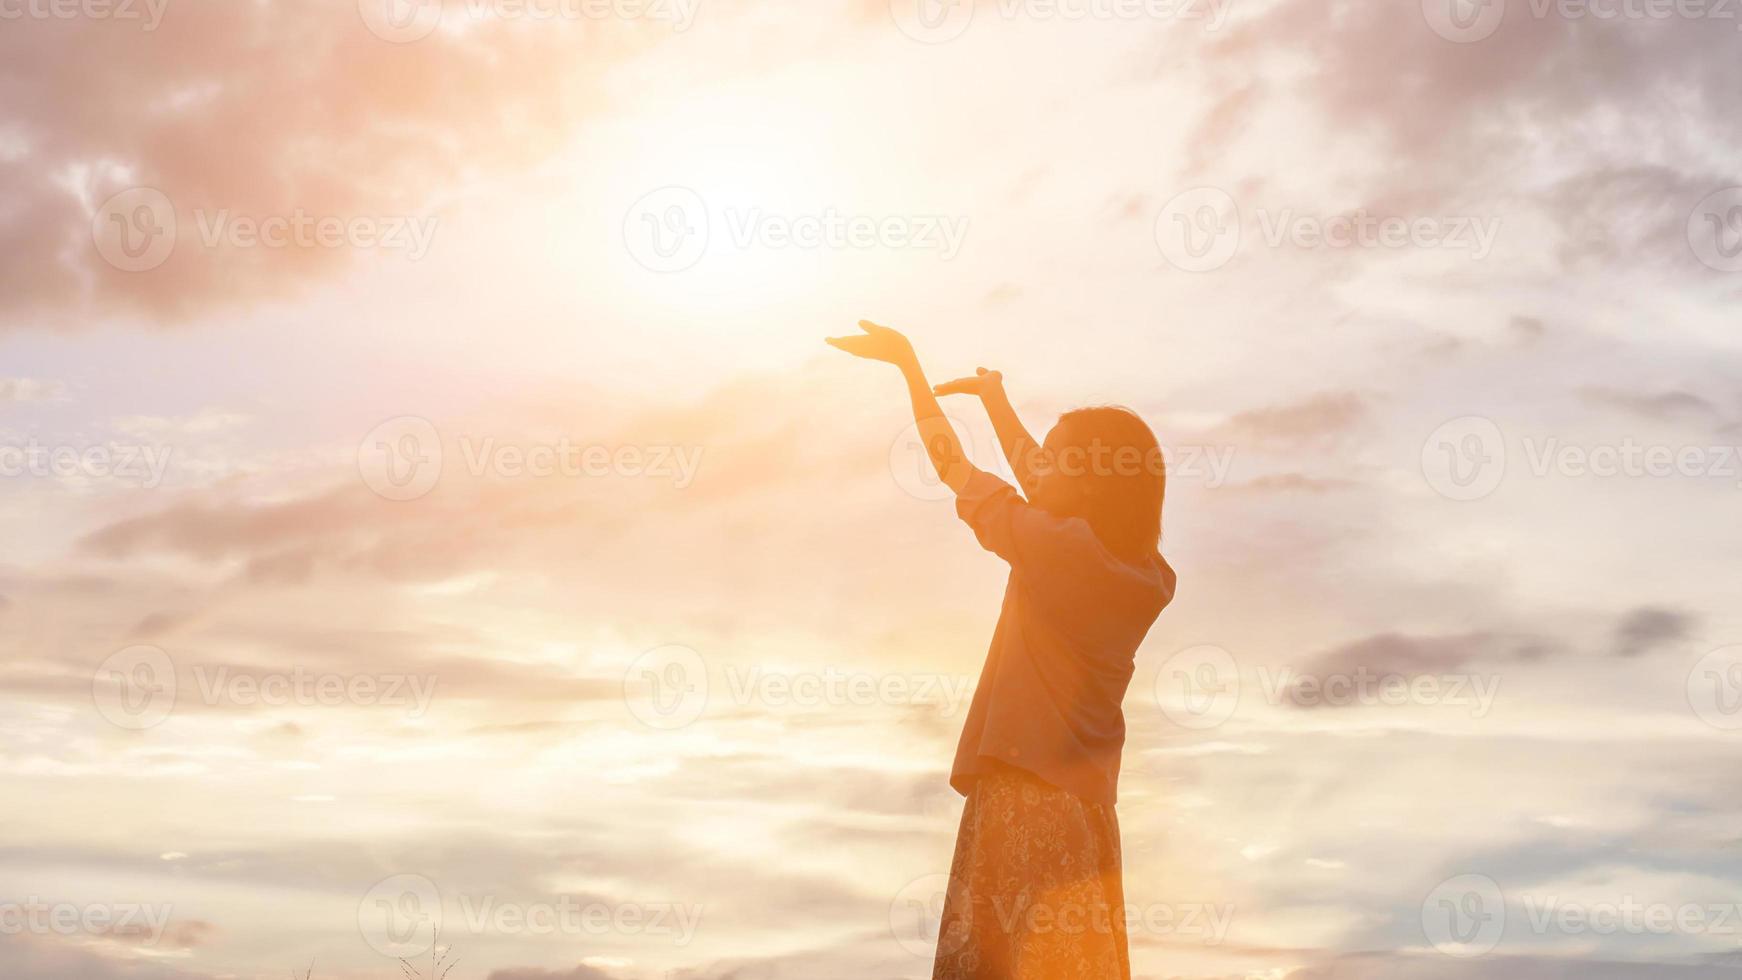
x=436 y=530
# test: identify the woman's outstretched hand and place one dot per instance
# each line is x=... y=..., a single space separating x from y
x=983 y=383
x=877 y=343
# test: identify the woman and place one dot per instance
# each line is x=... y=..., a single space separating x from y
x=1035 y=888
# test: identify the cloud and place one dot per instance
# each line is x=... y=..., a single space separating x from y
x=262 y=110
x=30 y=390
x=1315 y=421
x=1656 y=407
x=582 y=972
x=27 y=958
x=1645 y=629
x=1387 y=966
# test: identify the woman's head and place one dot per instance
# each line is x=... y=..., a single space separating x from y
x=1104 y=466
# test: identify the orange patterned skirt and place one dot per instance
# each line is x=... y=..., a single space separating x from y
x=1035 y=890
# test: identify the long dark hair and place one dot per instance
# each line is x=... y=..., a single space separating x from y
x=1115 y=458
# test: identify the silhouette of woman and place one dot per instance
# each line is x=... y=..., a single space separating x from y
x=1035 y=886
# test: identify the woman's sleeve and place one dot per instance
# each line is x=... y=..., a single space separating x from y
x=1019 y=532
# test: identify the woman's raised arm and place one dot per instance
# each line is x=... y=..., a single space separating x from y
x=942 y=445
x=1020 y=448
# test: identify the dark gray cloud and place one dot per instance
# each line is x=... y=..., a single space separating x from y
x=1314 y=421
x=1645 y=629
x=1654 y=406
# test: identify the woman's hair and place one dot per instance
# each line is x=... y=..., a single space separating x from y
x=1121 y=473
